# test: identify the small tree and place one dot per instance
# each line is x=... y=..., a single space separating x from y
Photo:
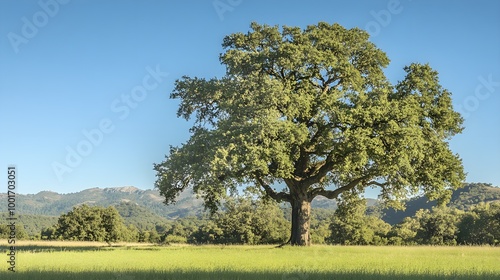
x=154 y=236
x=129 y=233
x=246 y=220
x=85 y=223
x=313 y=110
x=20 y=231
x=208 y=233
x=48 y=233
x=182 y=230
x=270 y=225
x=4 y=231
x=480 y=225
x=405 y=232
x=438 y=226
x=351 y=226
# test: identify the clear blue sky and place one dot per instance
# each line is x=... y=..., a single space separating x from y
x=72 y=66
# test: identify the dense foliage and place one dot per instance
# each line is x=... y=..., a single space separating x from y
x=95 y=223
x=480 y=225
x=246 y=221
x=351 y=226
x=5 y=231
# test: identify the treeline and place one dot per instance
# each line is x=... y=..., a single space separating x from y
x=441 y=225
x=245 y=220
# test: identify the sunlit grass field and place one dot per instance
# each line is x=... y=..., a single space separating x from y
x=64 y=260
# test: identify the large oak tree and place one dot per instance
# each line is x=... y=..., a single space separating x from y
x=311 y=109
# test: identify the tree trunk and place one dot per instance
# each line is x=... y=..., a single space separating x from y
x=301 y=221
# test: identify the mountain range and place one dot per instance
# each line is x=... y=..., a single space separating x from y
x=50 y=203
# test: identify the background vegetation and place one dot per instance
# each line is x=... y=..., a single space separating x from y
x=471 y=218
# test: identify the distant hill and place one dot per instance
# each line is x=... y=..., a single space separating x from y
x=140 y=217
x=325 y=203
x=32 y=224
x=470 y=195
x=473 y=194
x=54 y=204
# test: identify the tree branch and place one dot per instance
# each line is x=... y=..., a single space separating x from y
x=301 y=163
x=335 y=193
x=321 y=171
x=278 y=196
x=382 y=185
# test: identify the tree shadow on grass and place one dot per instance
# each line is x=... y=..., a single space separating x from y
x=52 y=248
x=196 y=275
x=40 y=249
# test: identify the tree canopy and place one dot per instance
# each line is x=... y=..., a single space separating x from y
x=312 y=109
x=86 y=223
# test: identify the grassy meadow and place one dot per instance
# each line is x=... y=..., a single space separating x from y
x=80 y=260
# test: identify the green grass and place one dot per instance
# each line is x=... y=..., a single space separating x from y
x=43 y=261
